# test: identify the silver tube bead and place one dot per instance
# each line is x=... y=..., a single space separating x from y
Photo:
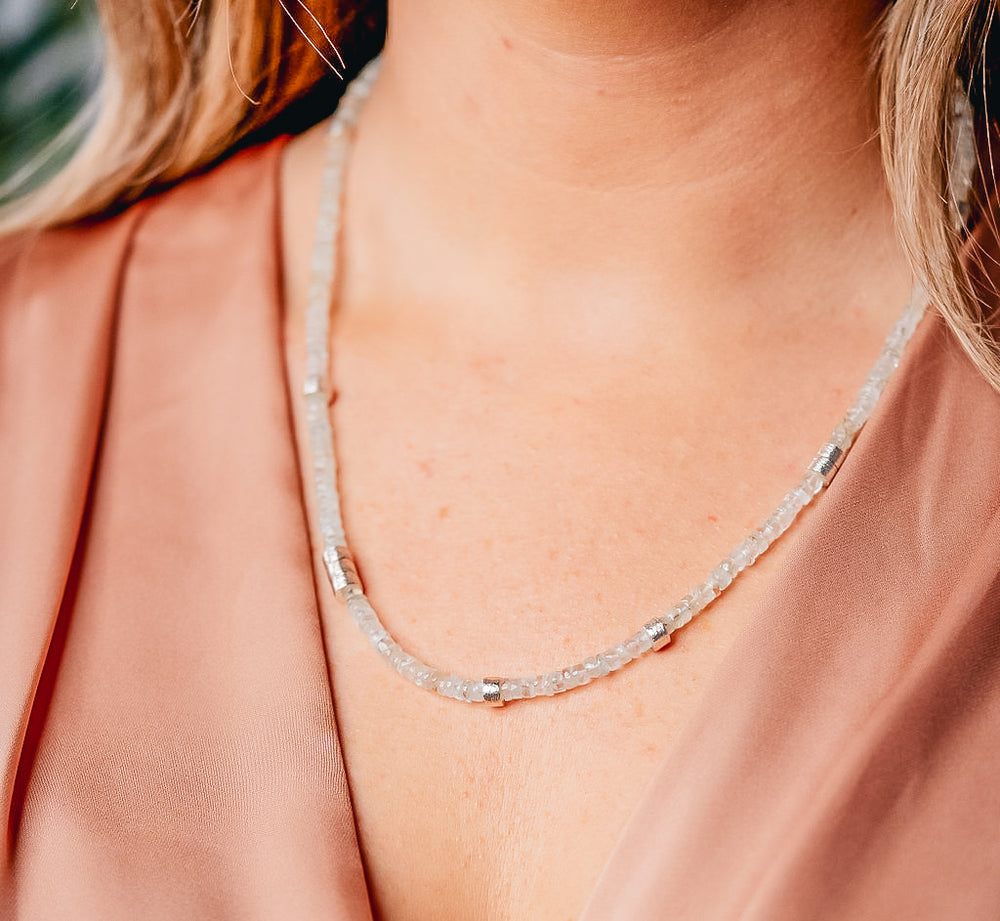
x=828 y=462
x=343 y=572
x=658 y=633
x=491 y=692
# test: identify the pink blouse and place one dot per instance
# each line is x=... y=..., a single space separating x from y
x=168 y=738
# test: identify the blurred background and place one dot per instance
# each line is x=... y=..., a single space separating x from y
x=49 y=65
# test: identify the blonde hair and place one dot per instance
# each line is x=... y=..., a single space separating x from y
x=185 y=83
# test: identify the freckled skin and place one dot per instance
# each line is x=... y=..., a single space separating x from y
x=577 y=363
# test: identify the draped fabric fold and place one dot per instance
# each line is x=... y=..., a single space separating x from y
x=58 y=304
x=184 y=758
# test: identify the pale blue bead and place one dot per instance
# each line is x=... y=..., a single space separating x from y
x=702 y=596
x=612 y=660
x=425 y=677
x=596 y=667
x=740 y=558
x=532 y=686
x=721 y=577
x=550 y=683
x=513 y=689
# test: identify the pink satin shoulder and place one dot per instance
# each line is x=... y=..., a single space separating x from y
x=169 y=741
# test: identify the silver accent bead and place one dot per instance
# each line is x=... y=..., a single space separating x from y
x=658 y=633
x=343 y=573
x=828 y=462
x=491 y=692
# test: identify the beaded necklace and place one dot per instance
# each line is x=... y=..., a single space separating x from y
x=340 y=567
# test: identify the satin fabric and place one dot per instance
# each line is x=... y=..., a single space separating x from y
x=169 y=739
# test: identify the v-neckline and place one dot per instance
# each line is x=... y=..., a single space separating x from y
x=767 y=612
x=742 y=646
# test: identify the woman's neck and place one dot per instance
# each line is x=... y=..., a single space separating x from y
x=583 y=148
x=599 y=95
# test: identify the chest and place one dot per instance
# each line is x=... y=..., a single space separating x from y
x=498 y=536
x=467 y=813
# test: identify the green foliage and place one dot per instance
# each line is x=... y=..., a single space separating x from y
x=49 y=66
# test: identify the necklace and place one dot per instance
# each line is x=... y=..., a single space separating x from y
x=652 y=636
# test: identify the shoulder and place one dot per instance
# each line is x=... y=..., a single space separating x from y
x=83 y=307
x=946 y=412
x=940 y=431
x=916 y=509
x=84 y=259
x=202 y=215
x=69 y=297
